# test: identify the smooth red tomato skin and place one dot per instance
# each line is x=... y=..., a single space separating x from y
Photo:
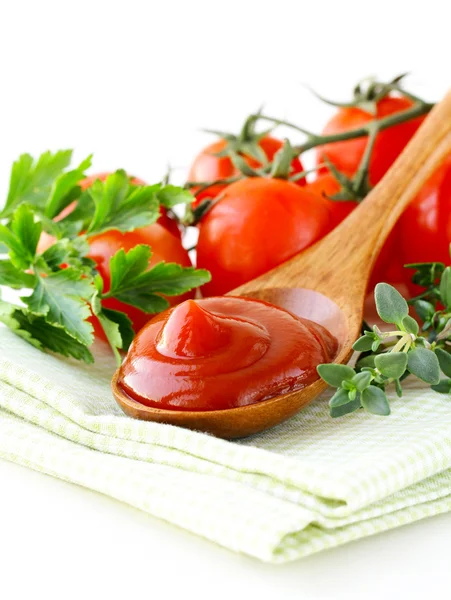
x=257 y=224
x=425 y=225
x=165 y=247
x=168 y=223
x=346 y=155
x=208 y=167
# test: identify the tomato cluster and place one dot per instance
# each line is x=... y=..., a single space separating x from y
x=253 y=223
x=256 y=224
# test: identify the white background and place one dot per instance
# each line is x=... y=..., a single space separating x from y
x=133 y=82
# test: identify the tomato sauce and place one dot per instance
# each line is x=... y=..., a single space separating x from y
x=223 y=352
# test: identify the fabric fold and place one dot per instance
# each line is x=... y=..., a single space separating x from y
x=306 y=485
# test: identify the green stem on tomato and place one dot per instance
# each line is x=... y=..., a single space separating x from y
x=204 y=185
x=419 y=109
x=361 y=179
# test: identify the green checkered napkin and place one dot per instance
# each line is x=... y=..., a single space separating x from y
x=309 y=484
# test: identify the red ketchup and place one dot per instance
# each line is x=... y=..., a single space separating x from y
x=222 y=352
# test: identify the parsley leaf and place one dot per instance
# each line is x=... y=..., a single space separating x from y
x=134 y=283
x=119 y=205
x=69 y=252
x=77 y=220
x=171 y=195
x=118 y=330
x=172 y=279
x=65 y=288
x=61 y=298
x=13 y=277
x=22 y=237
x=40 y=333
x=115 y=324
x=31 y=180
x=125 y=326
x=65 y=189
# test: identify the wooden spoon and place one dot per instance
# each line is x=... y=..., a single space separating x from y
x=325 y=283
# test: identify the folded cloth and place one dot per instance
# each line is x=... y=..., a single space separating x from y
x=309 y=484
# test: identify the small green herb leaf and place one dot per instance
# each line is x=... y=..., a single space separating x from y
x=423 y=363
x=334 y=375
x=352 y=394
x=346 y=408
x=375 y=401
x=445 y=287
x=443 y=387
x=410 y=325
x=425 y=310
x=398 y=388
x=362 y=380
x=390 y=305
x=444 y=359
x=392 y=364
x=61 y=299
x=363 y=344
x=366 y=362
x=340 y=397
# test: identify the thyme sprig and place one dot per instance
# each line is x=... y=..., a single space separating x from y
x=407 y=349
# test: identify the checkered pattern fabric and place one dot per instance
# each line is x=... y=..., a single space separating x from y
x=309 y=484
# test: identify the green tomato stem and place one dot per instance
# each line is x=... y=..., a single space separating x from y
x=419 y=109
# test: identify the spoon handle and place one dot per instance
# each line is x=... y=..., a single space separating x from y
x=363 y=234
x=339 y=266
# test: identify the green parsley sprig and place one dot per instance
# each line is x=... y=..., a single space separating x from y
x=61 y=289
x=406 y=349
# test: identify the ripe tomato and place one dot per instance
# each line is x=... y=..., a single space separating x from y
x=425 y=225
x=164 y=219
x=209 y=167
x=346 y=155
x=326 y=186
x=388 y=267
x=165 y=247
x=256 y=225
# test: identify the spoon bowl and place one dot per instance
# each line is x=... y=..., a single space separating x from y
x=246 y=420
x=325 y=283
